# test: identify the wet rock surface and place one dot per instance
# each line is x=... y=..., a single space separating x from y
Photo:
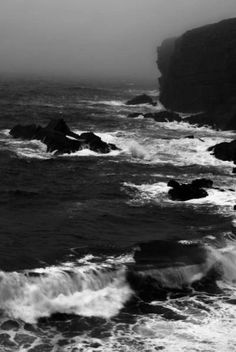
x=225 y=151
x=60 y=139
x=194 y=190
x=141 y=99
x=193 y=65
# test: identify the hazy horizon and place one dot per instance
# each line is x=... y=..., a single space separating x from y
x=103 y=39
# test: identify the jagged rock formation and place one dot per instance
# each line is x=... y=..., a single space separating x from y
x=199 y=71
x=60 y=139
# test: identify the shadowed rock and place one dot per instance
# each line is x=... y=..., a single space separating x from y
x=198 y=74
x=135 y=114
x=194 y=190
x=225 y=151
x=60 y=139
x=163 y=116
x=141 y=99
x=170 y=269
x=198 y=68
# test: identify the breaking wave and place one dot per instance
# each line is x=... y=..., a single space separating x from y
x=77 y=290
x=87 y=288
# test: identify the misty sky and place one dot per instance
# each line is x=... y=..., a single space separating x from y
x=96 y=38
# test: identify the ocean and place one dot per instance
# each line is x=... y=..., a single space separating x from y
x=71 y=225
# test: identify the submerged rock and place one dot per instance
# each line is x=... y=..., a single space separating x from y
x=194 y=190
x=60 y=139
x=141 y=99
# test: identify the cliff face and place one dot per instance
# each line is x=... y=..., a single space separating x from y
x=199 y=68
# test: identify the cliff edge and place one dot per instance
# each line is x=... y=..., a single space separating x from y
x=199 y=69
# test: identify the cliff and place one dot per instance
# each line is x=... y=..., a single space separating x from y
x=199 y=69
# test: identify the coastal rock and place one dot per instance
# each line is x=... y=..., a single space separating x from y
x=168 y=253
x=60 y=139
x=141 y=99
x=198 y=69
x=10 y=325
x=161 y=268
x=135 y=114
x=163 y=116
x=194 y=190
x=225 y=151
x=221 y=117
x=27 y=132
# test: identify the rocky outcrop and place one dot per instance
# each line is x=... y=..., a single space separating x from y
x=194 y=190
x=222 y=117
x=161 y=116
x=60 y=139
x=225 y=151
x=199 y=71
x=141 y=99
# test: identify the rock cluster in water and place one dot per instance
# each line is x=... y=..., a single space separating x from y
x=60 y=139
x=193 y=190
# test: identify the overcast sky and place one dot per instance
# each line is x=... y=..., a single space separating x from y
x=96 y=38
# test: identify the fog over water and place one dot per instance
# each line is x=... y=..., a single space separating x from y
x=96 y=38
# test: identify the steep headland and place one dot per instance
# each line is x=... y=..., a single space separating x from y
x=199 y=70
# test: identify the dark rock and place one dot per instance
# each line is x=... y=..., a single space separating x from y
x=141 y=99
x=135 y=114
x=183 y=192
x=27 y=132
x=234 y=207
x=202 y=183
x=96 y=144
x=62 y=342
x=221 y=117
x=29 y=327
x=225 y=151
x=41 y=348
x=58 y=138
x=22 y=339
x=234 y=170
x=5 y=341
x=163 y=116
x=190 y=137
x=10 y=325
x=231 y=301
x=169 y=253
x=198 y=69
x=95 y=345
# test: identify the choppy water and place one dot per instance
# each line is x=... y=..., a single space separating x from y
x=70 y=224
